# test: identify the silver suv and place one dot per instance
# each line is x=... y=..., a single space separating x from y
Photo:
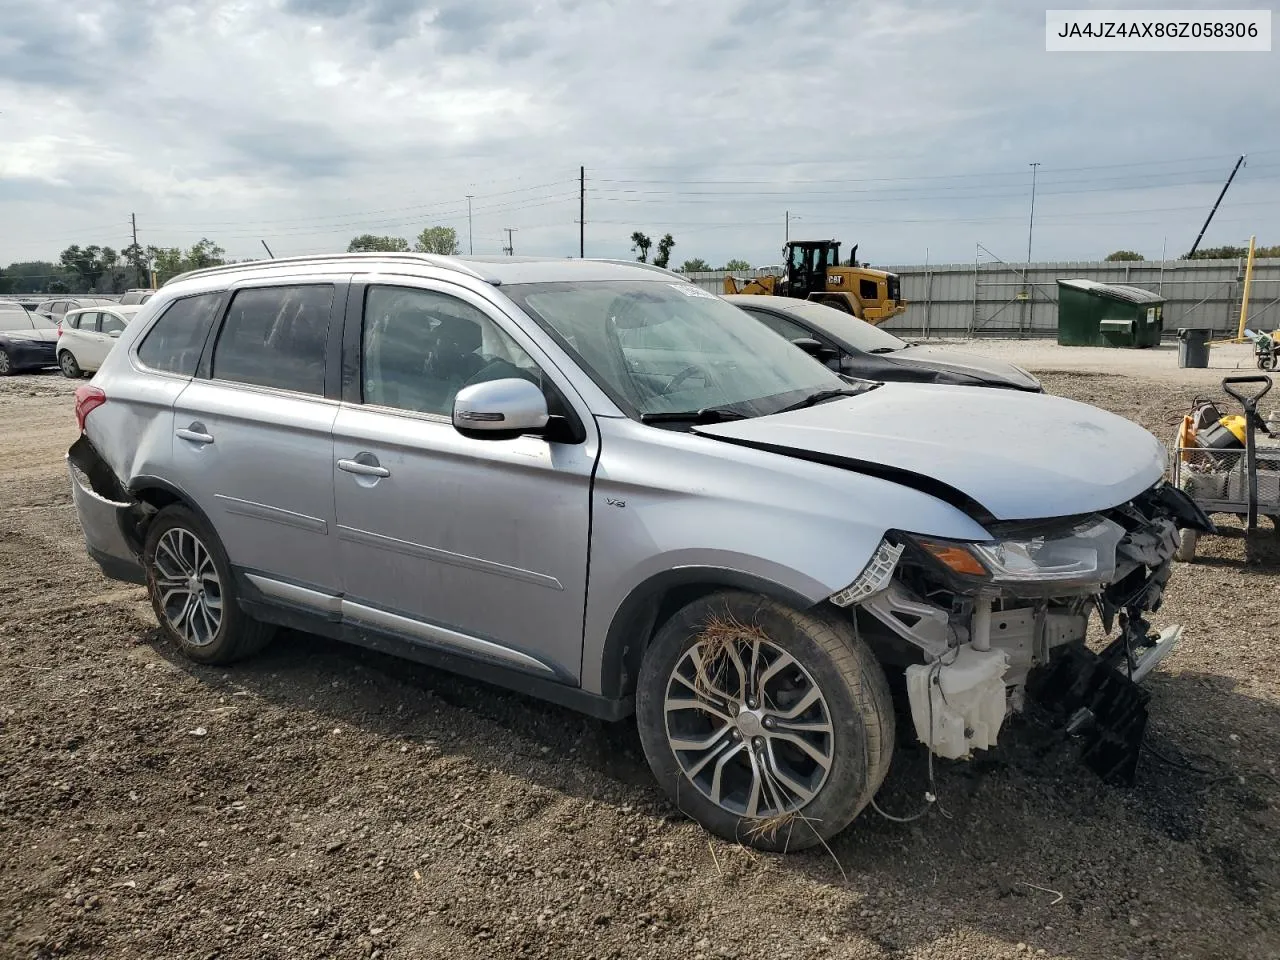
x=593 y=482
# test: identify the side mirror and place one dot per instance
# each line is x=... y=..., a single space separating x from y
x=815 y=348
x=500 y=409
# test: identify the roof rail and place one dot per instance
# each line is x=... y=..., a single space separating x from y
x=642 y=265
x=430 y=259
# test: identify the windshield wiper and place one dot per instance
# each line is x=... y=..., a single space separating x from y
x=705 y=415
x=823 y=395
x=886 y=349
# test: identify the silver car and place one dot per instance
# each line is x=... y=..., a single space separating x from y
x=592 y=482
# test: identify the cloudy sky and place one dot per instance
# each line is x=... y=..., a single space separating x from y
x=905 y=127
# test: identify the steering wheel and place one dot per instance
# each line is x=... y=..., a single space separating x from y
x=681 y=377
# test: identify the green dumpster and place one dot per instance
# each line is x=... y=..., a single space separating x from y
x=1092 y=314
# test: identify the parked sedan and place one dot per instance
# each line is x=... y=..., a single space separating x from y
x=854 y=347
x=26 y=340
x=85 y=337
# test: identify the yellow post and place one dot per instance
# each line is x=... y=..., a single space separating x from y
x=1244 y=301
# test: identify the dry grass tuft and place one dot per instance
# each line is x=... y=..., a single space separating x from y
x=719 y=645
x=766 y=828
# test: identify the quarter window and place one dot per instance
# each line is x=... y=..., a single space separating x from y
x=276 y=337
x=786 y=328
x=174 y=342
x=419 y=348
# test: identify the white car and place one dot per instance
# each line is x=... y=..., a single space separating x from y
x=85 y=337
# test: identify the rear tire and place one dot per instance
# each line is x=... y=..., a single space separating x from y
x=68 y=365
x=794 y=760
x=6 y=363
x=193 y=593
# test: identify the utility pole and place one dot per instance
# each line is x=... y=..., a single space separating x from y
x=471 y=246
x=510 y=248
x=1196 y=245
x=787 y=229
x=142 y=279
x=582 y=213
x=1032 y=222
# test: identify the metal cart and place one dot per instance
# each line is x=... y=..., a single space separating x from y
x=1244 y=482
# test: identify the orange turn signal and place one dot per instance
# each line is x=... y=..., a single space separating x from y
x=956 y=558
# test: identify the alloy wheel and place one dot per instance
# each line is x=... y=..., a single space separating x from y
x=4 y=363
x=749 y=725
x=187 y=584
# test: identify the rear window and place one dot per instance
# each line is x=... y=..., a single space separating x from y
x=14 y=317
x=276 y=337
x=174 y=343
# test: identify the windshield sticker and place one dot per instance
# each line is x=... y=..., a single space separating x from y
x=690 y=290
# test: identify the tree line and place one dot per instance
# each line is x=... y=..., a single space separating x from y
x=1204 y=253
x=98 y=269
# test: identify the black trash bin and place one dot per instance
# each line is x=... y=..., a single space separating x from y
x=1193 y=347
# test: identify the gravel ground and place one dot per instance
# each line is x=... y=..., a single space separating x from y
x=321 y=801
x=1156 y=363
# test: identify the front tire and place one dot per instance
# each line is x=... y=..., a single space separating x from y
x=68 y=365
x=769 y=726
x=6 y=363
x=193 y=593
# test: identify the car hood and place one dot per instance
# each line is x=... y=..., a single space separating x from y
x=1010 y=456
x=996 y=372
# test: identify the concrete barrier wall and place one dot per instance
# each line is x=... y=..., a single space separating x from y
x=997 y=299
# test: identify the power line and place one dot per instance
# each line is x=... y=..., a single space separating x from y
x=915 y=157
x=790 y=181
x=881 y=196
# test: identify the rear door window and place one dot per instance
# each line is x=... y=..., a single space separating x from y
x=110 y=323
x=276 y=337
x=174 y=342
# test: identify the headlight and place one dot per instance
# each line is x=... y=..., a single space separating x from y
x=1082 y=554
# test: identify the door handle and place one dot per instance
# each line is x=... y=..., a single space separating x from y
x=363 y=469
x=195 y=433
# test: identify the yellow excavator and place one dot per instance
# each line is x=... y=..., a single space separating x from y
x=814 y=272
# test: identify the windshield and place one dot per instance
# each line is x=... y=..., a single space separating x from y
x=668 y=347
x=845 y=326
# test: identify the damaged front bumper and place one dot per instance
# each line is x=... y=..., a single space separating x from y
x=1006 y=620
x=106 y=513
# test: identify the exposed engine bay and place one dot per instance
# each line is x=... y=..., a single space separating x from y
x=983 y=627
